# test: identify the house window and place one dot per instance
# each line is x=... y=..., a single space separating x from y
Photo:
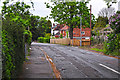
x=73 y=33
x=83 y=32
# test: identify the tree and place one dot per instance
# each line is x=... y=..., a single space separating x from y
x=69 y=0
x=101 y=22
x=15 y=19
x=69 y=13
x=110 y=2
x=39 y=27
x=107 y=12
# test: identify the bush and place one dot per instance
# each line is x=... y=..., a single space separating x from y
x=43 y=40
x=61 y=36
x=47 y=40
x=13 y=49
x=28 y=36
x=112 y=45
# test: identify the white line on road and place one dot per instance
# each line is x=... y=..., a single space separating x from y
x=110 y=68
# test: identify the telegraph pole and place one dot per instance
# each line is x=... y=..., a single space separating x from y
x=80 y=31
x=90 y=23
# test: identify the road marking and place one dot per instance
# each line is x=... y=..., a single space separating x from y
x=56 y=72
x=110 y=68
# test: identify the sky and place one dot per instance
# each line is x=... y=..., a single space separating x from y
x=42 y=11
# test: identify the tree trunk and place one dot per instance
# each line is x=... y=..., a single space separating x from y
x=71 y=24
x=71 y=32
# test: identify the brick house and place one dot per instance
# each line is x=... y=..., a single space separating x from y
x=76 y=32
x=65 y=31
x=85 y=33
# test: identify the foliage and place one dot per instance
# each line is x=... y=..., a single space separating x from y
x=7 y=52
x=113 y=42
x=69 y=13
x=101 y=22
x=28 y=36
x=40 y=26
x=44 y=39
x=114 y=22
x=67 y=34
x=16 y=18
x=69 y=0
x=61 y=36
x=110 y=2
x=41 y=39
x=96 y=49
x=47 y=35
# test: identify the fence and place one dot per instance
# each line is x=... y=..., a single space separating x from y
x=67 y=41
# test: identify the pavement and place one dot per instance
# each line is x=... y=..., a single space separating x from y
x=36 y=66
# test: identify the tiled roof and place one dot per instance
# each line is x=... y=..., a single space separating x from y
x=65 y=27
x=59 y=27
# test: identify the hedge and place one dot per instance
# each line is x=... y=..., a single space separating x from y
x=13 y=42
x=43 y=40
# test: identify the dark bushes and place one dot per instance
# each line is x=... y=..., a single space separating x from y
x=44 y=39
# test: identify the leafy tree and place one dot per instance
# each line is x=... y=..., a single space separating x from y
x=101 y=22
x=16 y=18
x=69 y=13
x=107 y=12
x=69 y=0
x=39 y=27
x=110 y=2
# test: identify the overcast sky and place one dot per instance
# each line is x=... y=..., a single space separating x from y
x=42 y=11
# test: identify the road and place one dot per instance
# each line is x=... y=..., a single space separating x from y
x=73 y=62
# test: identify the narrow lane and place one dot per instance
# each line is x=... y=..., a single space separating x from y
x=73 y=62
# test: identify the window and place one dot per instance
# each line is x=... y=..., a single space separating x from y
x=83 y=32
x=73 y=33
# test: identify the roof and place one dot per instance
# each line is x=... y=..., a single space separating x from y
x=59 y=27
x=58 y=33
x=65 y=27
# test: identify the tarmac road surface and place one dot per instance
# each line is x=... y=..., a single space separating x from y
x=73 y=62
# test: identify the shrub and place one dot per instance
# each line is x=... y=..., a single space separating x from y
x=43 y=40
x=61 y=36
x=13 y=49
x=28 y=36
x=112 y=45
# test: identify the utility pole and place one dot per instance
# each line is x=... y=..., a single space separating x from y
x=80 y=31
x=90 y=23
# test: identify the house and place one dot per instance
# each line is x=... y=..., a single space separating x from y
x=65 y=31
x=54 y=25
x=56 y=30
x=76 y=32
x=86 y=33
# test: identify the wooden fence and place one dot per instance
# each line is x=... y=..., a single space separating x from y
x=67 y=41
